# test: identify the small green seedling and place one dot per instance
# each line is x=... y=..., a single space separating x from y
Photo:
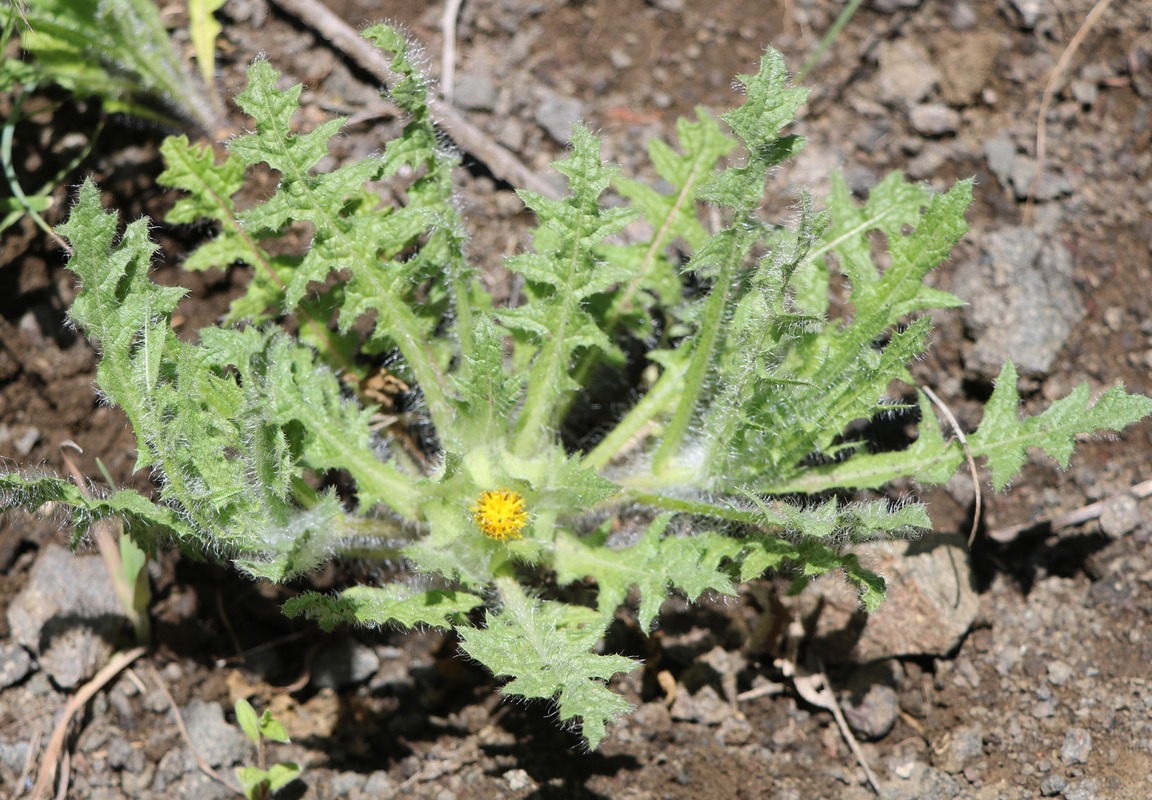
x=258 y=782
x=731 y=455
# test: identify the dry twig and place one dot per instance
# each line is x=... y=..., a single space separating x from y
x=1068 y=519
x=52 y=754
x=815 y=688
x=340 y=35
x=448 y=58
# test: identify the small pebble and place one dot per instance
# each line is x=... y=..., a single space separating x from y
x=1059 y=673
x=15 y=663
x=1121 y=515
x=1083 y=789
x=1077 y=747
x=934 y=119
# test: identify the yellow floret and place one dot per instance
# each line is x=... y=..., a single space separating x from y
x=500 y=514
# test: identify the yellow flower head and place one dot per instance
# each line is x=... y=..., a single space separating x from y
x=500 y=514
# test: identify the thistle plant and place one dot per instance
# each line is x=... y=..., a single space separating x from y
x=731 y=461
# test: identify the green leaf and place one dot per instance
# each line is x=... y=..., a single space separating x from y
x=116 y=50
x=562 y=275
x=1004 y=438
x=653 y=564
x=271 y=729
x=144 y=521
x=387 y=605
x=547 y=650
x=203 y=30
x=248 y=721
x=253 y=781
x=282 y=774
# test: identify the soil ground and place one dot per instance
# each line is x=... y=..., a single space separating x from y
x=1050 y=692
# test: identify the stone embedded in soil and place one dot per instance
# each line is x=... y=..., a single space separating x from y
x=872 y=714
x=1000 y=153
x=869 y=700
x=933 y=119
x=556 y=115
x=1121 y=515
x=1077 y=747
x=932 y=602
x=705 y=707
x=1059 y=673
x=68 y=614
x=906 y=75
x=217 y=742
x=15 y=663
x=918 y=781
x=1049 y=186
x=1023 y=301
x=962 y=746
x=343 y=662
x=1053 y=785
x=1083 y=789
x=1028 y=12
x=475 y=91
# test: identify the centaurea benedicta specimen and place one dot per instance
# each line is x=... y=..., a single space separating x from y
x=750 y=384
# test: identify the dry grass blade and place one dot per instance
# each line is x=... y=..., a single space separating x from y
x=52 y=753
x=967 y=455
x=448 y=58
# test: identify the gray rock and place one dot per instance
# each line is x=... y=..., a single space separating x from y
x=476 y=91
x=1083 y=789
x=921 y=782
x=343 y=662
x=963 y=746
x=15 y=663
x=519 y=780
x=1121 y=515
x=870 y=702
x=135 y=784
x=123 y=756
x=217 y=742
x=1049 y=187
x=379 y=784
x=1053 y=785
x=1059 y=673
x=1077 y=746
x=173 y=764
x=14 y=755
x=343 y=784
x=1000 y=153
x=671 y=6
x=1024 y=301
x=556 y=115
x=932 y=602
x=201 y=787
x=1028 y=12
x=962 y=17
x=706 y=706
x=933 y=119
x=68 y=614
x=906 y=74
